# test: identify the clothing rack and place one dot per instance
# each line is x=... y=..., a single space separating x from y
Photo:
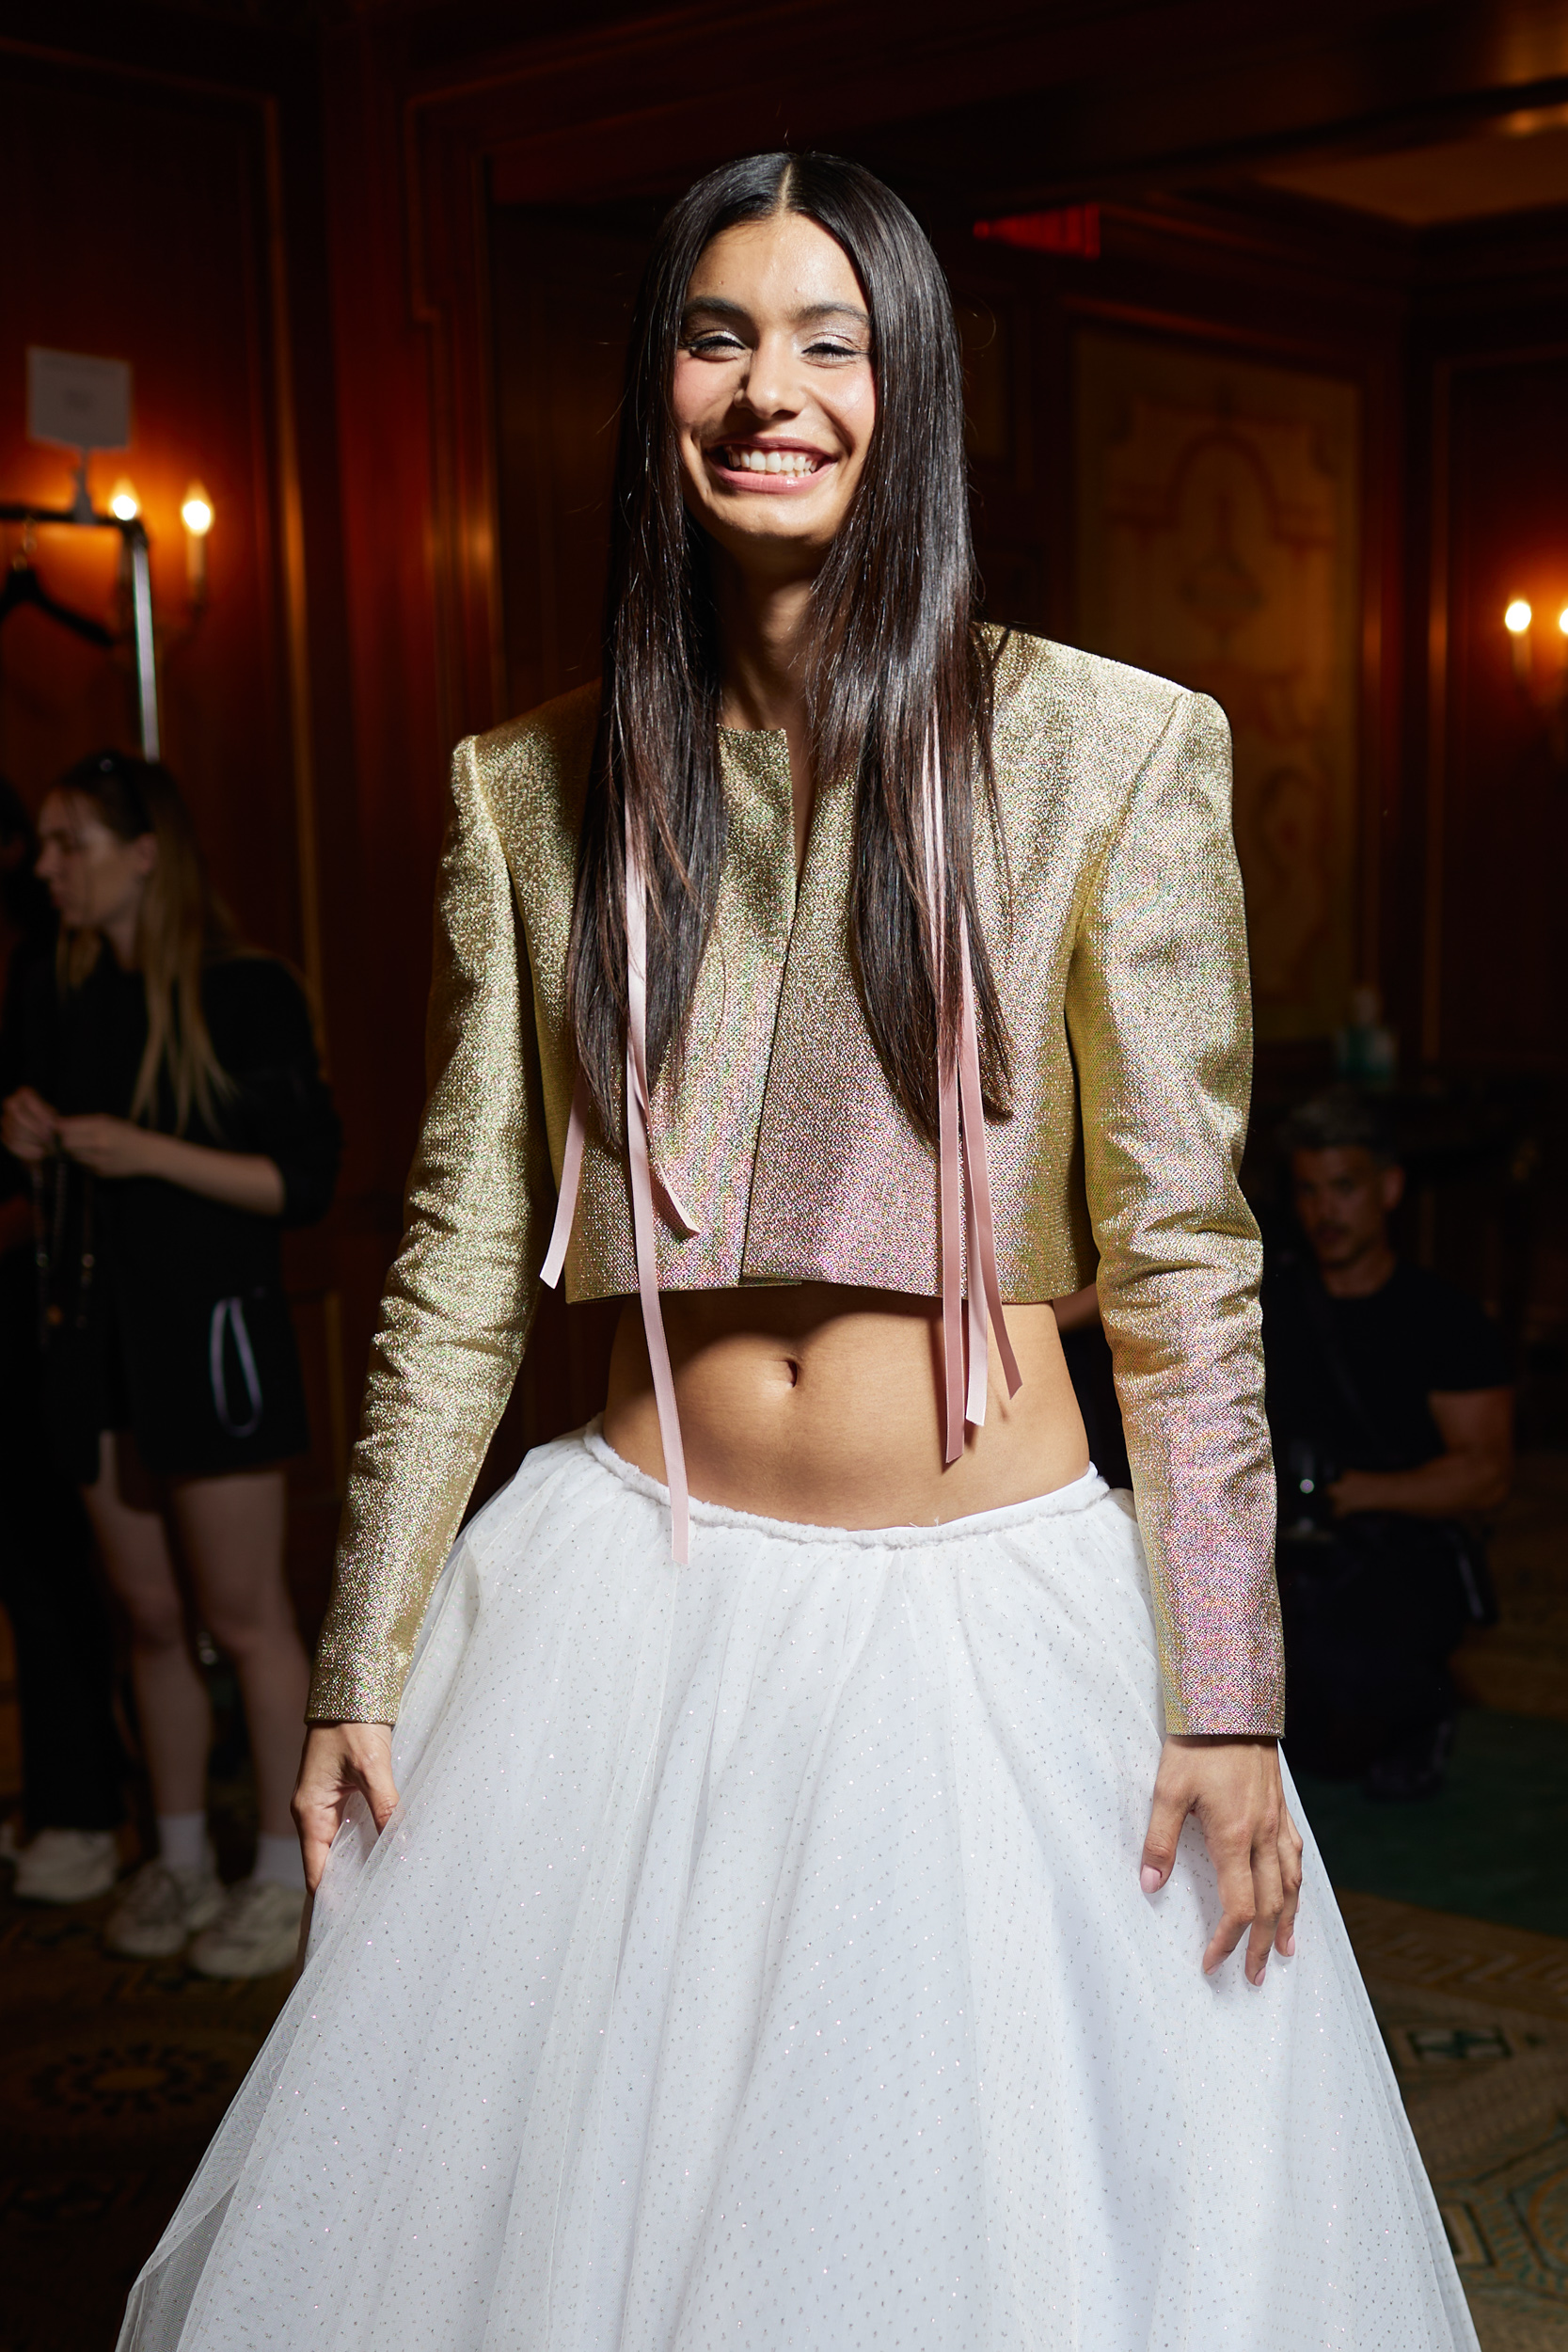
x=83 y=517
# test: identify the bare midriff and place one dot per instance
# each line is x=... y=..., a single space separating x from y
x=823 y=1405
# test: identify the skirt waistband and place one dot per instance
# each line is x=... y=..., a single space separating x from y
x=1080 y=1494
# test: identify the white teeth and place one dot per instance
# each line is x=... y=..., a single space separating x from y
x=786 y=461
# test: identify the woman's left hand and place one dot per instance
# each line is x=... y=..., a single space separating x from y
x=109 y=1147
x=1233 y=1786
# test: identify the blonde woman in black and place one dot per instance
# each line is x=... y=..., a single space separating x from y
x=176 y=1122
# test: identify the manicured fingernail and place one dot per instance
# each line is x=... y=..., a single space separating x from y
x=1148 y=1877
x=1290 y=1947
x=1257 y=1980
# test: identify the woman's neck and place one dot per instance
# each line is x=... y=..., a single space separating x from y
x=764 y=626
x=765 y=629
x=120 y=932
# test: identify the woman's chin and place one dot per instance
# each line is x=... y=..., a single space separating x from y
x=770 y=533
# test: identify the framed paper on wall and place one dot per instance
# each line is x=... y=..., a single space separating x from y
x=1218 y=528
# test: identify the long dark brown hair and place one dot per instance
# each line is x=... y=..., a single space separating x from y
x=182 y=927
x=896 y=653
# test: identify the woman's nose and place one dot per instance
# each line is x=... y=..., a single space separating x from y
x=771 y=386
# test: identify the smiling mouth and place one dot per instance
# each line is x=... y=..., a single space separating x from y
x=767 y=458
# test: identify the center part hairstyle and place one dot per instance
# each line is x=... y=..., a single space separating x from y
x=183 y=926
x=898 y=667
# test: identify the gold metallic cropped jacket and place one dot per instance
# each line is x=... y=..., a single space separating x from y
x=1121 y=962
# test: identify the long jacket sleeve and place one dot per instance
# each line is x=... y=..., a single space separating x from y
x=461 y=1294
x=1159 y=1015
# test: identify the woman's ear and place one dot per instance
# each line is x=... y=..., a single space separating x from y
x=144 y=853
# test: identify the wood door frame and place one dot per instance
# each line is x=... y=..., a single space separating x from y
x=1445 y=369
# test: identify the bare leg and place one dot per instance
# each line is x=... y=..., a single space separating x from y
x=171 y=1697
x=233 y=1532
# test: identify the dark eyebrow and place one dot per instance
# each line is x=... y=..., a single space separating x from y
x=718 y=304
x=834 y=309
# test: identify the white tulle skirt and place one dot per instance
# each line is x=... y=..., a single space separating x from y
x=757 y=1963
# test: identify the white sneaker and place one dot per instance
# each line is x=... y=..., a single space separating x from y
x=66 y=1865
x=162 y=1908
x=257 y=1933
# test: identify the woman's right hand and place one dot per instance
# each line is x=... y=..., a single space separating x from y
x=341 y=1761
x=28 y=1128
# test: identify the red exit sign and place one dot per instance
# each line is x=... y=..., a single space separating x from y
x=1071 y=229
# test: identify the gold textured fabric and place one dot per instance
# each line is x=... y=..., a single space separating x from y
x=1122 y=967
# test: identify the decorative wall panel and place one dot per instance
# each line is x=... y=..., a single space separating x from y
x=1218 y=531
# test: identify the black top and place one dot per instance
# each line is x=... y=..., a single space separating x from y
x=84 y=1055
x=166 y=1310
x=1416 y=1337
x=31 y=959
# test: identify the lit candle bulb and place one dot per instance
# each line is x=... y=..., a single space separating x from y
x=1517 y=620
x=196 y=516
x=124 y=506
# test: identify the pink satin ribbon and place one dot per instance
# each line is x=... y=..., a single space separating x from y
x=961 y=1135
x=647 y=1187
x=961 y=1138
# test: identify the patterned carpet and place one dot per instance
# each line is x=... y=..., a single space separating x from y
x=115 y=2072
x=1476 y=2019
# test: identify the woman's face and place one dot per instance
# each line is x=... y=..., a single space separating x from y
x=774 y=395
x=95 y=878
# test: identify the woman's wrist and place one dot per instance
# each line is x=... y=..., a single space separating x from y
x=158 y=1155
x=241 y=1180
x=1222 y=1738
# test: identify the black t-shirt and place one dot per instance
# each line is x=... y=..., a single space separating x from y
x=1417 y=1336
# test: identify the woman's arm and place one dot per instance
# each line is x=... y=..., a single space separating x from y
x=1159 y=1016
x=461 y=1295
x=279 y=1105
x=119 y=1147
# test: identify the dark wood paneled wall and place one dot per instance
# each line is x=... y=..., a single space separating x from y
x=1494 y=976
x=139 y=226
x=167 y=212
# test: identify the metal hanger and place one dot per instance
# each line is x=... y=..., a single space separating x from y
x=23 y=586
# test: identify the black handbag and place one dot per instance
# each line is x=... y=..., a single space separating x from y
x=70 y=1313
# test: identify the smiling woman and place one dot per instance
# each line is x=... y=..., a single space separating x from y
x=838 y=606
x=782 y=400
x=771 y=1917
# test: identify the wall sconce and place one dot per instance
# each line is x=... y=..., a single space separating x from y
x=197 y=514
x=1541 y=673
x=124 y=506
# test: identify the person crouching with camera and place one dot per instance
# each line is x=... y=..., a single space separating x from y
x=1392 y=1414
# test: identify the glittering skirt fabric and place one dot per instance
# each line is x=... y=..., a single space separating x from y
x=757 y=1960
